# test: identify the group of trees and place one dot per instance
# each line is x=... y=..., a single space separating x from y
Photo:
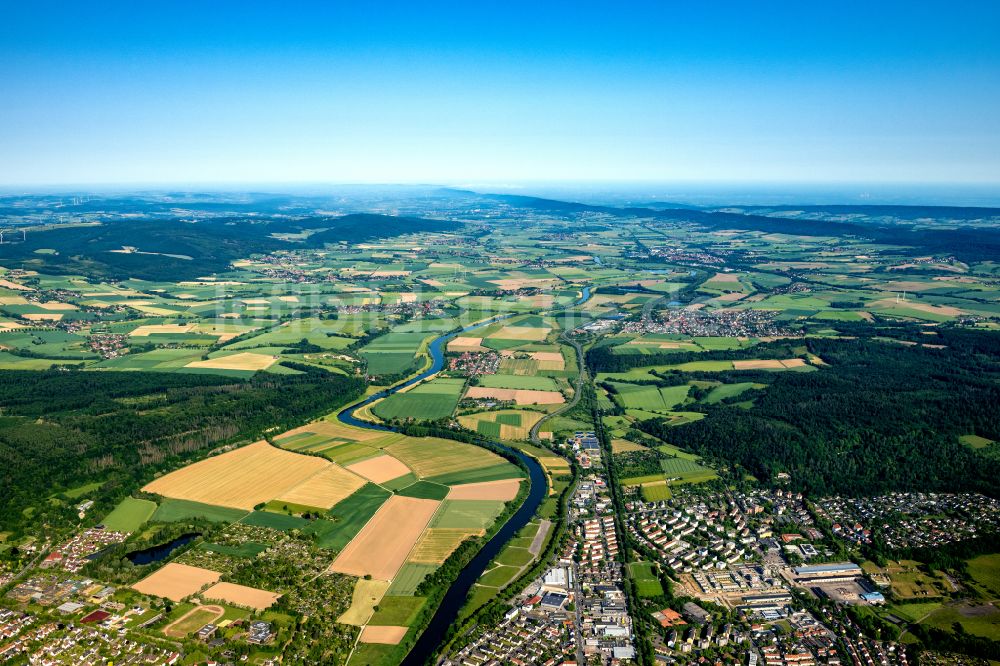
x=879 y=417
x=62 y=429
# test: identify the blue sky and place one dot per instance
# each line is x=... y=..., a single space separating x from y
x=499 y=92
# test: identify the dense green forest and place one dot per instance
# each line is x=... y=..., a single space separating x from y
x=879 y=417
x=176 y=249
x=63 y=429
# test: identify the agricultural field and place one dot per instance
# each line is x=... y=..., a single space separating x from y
x=382 y=546
x=505 y=424
x=129 y=515
x=428 y=401
x=239 y=479
x=690 y=326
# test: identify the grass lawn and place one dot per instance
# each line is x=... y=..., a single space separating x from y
x=646 y=581
x=985 y=570
x=129 y=515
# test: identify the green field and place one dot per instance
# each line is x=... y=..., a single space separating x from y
x=473 y=514
x=428 y=402
x=397 y=611
x=655 y=492
x=409 y=577
x=276 y=521
x=249 y=549
x=351 y=513
x=985 y=570
x=129 y=515
x=503 y=470
x=647 y=583
x=720 y=393
x=172 y=510
x=425 y=490
x=651 y=398
x=975 y=441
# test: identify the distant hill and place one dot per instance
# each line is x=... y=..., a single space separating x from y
x=198 y=248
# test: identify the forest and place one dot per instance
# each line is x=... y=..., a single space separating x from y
x=879 y=417
x=175 y=249
x=64 y=429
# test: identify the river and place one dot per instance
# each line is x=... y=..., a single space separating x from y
x=446 y=614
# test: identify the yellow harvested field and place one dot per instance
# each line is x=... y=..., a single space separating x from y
x=151 y=329
x=538 y=300
x=13 y=300
x=505 y=489
x=335 y=430
x=521 y=283
x=731 y=296
x=367 y=594
x=437 y=543
x=408 y=297
x=430 y=456
x=758 y=365
x=383 y=635
x=793 y=363
x=382 y=546
x=519 y=396
x=241 y=479
x=527 y=333
x=549 y=360
x=14 y=285
x=241 y=595
x=43 y=316
x=56 y=305
x=390 y=273
x=324 y=488
x=463 y=343
x=380 y=468
x=725 y=277
x=946 y=310
x=623 y=446
x=176 y=581
x=240 y=361
x=289 y=299
x=433 y=283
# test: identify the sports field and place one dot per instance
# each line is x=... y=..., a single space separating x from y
x=240 y=479
x=647 y=583
x=193 y=620
x=176 y=581
x=382 y=546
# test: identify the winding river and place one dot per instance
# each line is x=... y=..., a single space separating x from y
x=455 y=597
